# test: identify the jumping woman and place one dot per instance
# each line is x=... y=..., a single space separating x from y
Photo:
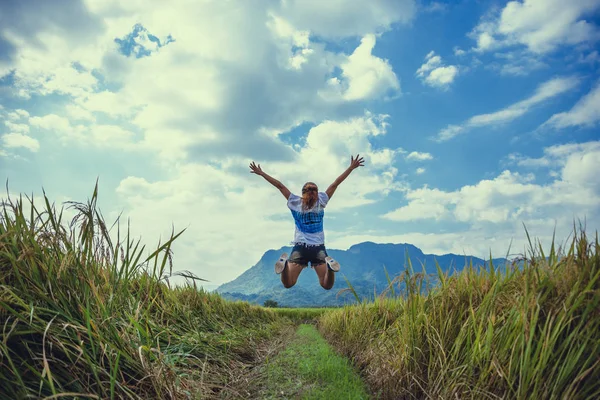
x=309 y=238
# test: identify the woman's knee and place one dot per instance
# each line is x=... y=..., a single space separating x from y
x=290 y=275
x=288 y=280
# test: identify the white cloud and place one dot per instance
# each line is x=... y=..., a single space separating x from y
x=364 y=76
x=420 y=171
x=16 y=140
x=94 y=135
x=434 y=73
x=575 y=163
x=485 y=41
x=79 y=113
x=292 y=38
x=51 y=122
x=423 y=204
x=20 y=128
x=30 y=26
x=449 y=132
x=513 y=196
x=330 y=145
x=17 y=115
x=585 y=113
x=459 y=52
x=544 y=92
x=540 y=25
x=431 y=62
x=111 y=136
x=215 y=83
x=113 y=104
x=342 y=18
x=592 y=58
x=417 y=156
x=435 y=7
x=442 y=76
x=517 y=63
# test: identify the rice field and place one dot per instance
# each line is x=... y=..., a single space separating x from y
x=529 y=331
x=85 y=313
x=82 y=316
x=301 y=314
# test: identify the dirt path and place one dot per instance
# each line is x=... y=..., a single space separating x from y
x=299 y=364
x=246 y=380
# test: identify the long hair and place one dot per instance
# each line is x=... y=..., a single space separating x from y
x=309 y=199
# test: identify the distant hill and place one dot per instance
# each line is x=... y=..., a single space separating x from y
x=362 y=264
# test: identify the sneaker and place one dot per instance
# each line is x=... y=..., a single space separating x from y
x=332 y=264
x=280 y=264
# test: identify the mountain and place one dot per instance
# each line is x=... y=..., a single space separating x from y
x=362 y=264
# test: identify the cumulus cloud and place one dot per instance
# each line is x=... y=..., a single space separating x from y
x=420 y=171
x=17 y=114
x=435 y=7
x=540 y=25
x=418 y=156
x=367 y=76
x=591 y=58
x=94 y=135
x=29 y=23
x=215 y=83
x=459 y=52
x=585 y=113
x=342 y=18
x=575 y=163
x=16 y=140
x=20 y=128
x=434 y=73
x=544 y=92
x=517 y=63
x=514 y=196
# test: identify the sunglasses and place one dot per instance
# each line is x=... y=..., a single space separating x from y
x=309 y=189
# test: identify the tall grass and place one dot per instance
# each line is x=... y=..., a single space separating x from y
x=530 y=331
x=83 y=316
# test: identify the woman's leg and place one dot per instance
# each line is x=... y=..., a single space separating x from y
x=294 y=265
x=289 y=276
x=326 y=276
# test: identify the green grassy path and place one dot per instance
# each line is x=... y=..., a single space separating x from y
x=309 y=369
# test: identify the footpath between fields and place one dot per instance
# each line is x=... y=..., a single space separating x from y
x=301 y=365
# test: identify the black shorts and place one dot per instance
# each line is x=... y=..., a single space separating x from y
x=303 y=254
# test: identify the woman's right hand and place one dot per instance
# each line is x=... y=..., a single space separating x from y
x=255 y=169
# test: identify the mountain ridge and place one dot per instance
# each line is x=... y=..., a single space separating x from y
x=364 y=265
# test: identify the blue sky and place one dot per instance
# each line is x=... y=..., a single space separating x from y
x=474 y=117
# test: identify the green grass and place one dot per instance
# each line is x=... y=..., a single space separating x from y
x=526 y=332
x=83 y=315
x=309 y=369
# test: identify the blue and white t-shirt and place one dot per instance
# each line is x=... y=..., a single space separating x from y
x=309 y=223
